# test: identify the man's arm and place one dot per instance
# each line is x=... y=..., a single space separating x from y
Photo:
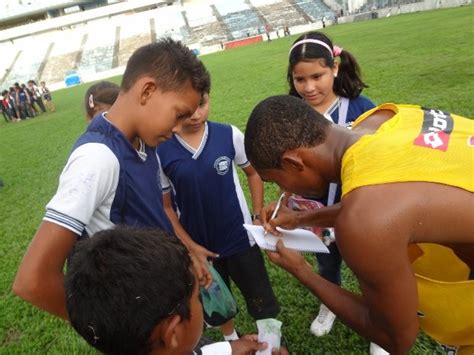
x=40 y=277
x=376 y=251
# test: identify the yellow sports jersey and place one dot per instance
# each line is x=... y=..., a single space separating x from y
x=416 y=144
x=445 y=295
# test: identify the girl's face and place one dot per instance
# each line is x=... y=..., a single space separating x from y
x=314 y=83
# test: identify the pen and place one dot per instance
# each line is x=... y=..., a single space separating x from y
x=277 y=208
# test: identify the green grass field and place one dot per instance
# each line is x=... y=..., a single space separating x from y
x=421 y=58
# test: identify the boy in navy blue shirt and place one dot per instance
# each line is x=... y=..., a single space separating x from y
x=106 y=180
x=199 y=163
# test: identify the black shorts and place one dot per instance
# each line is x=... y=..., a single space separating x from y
x=247 y=270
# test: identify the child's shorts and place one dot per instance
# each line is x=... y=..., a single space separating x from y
x=247 y=270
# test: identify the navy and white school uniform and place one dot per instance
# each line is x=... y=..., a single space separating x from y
x=107 y=182
x=212 y=209
x=211 y=204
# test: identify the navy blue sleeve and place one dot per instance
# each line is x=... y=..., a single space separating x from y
x=357 y=107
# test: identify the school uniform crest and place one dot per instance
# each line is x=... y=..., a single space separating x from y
x=222 y=165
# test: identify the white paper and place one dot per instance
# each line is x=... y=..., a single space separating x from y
x=269 y=332
x=296 y=239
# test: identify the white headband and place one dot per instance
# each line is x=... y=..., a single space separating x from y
x=310 y=40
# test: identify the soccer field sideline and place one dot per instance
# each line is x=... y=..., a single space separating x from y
x=422 y=58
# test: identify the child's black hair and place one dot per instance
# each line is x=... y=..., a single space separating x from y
x=278 y=124
x=170 y=63
x=121 y=283
x=348 y=82
x=103 y=92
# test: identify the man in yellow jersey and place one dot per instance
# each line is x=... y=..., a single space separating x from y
x=407 y=177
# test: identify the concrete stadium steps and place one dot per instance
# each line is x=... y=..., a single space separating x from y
x=315 y=9
x=281 y=13
x=56 y=67
x=98 y=48
x=129 y=45
x=63 y=55
x=169 y=21
x=45 y=60
x=28 y=62
x=135 y=32
x=209 y=34
x=243 y=23
x=10 y=55
x=204 y=27
x=303 y=13
x=219 y=18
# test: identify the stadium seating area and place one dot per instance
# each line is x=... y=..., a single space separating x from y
x=316 y=9
x=102 y=44
x=272 y=11
x=31 y=54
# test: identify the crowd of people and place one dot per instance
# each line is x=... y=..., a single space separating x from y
x=138 y=243
x=25 y=101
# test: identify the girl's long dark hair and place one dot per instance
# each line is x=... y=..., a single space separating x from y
x=348 y=82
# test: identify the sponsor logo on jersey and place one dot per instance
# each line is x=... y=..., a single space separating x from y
x=470 y=141
x=436 y=130
x=222 y=165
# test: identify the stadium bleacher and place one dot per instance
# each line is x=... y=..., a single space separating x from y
x=26 y=66
x=278 y=13
x=240 y=20
x=134 y=32
x=97 y=54
x=204 y=27
x=102 y=43
x=63 y=55
x=316 y=9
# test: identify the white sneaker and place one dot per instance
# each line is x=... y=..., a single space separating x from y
x=322 y=324
x=377 y=350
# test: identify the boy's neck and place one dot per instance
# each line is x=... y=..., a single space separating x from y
x=122 y=119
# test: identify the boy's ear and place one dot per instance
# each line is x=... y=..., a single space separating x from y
x=292 y=160
x=148 y=87
x=166 y=333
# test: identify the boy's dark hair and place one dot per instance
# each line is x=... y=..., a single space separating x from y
x=348 y=82
x=278 y=124
x=122 y=282
x=103 y=92
x=170 y=63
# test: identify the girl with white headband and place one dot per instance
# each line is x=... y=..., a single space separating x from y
x=327 y=78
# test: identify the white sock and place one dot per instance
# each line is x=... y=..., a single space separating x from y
x=232 y=336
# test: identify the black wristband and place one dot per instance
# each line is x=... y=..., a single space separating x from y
x=255 y=216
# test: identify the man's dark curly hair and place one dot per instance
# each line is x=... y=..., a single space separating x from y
x=123 y=282
x=278 y=124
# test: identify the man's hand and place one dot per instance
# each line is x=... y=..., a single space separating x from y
x=286 y=218
x=247 y=345
x=288 y=259
x=199 y=257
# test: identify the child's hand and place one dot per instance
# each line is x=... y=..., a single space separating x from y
x=199 y=257
x=247 y=345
